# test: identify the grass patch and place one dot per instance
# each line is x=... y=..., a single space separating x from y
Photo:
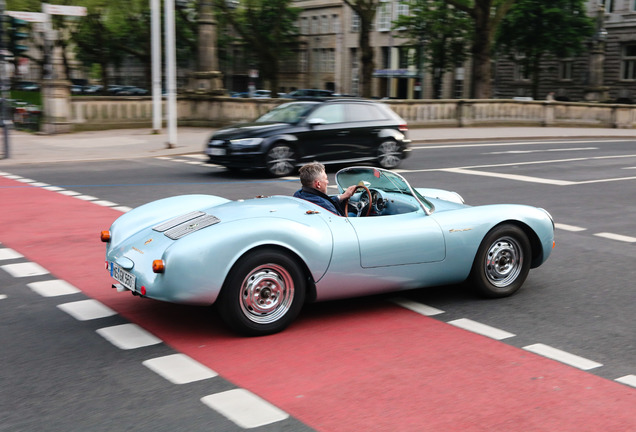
x=31 y=97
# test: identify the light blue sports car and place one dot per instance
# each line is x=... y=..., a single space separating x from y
x=259 y=260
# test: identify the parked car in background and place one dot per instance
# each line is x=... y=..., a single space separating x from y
x=131 y=91
x=308 y=93
x=27 y=86
x=330 y=131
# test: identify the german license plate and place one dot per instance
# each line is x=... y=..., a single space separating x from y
x=122 y=276
x=216 y=151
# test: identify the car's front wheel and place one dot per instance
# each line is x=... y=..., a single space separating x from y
x=280 y=160
x=502 y=262
x=263 y=293
x=389 y=154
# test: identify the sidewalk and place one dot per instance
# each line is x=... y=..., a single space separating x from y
x=25 y=148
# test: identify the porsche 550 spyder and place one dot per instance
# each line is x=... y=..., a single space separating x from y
x=259 y=260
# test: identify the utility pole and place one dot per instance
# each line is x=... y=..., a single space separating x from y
x=3 y=85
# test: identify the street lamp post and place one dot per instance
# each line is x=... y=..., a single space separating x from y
x=596 y=91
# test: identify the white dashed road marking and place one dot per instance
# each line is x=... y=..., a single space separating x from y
x=482 y=329
x=420 y=308
x=179 y=368
x=53 y=288
x=630 y=380
x=562 y=356
x=7 y=254
x=616 y=237
x=128 y=336
x=25 y=269
x=568 y=227
x=244 y=408
x=85 y=310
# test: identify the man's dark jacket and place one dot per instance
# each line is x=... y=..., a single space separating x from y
x=325 y=201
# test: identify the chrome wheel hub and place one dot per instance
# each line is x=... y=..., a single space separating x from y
x=267 y=294
x=280 y=160
x=389 y=154
x=503 y=262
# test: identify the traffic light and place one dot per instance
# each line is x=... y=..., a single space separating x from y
x=17 y=32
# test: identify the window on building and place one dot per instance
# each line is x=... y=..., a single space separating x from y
x=314 y=25
x=331 y=60
x=566 y=70
x=304 y=25
x=384 y=16
x=386 y=57
x=302 y=58
x=628 y=63
x=521 y=70
x=324 y=24
x=335 y=23
x=403 y=57
x=355 y=22
x=353 y=52
x=458 y=85
x=316 y=60
x=633 y=6
x=402 y=8
x=609 y=5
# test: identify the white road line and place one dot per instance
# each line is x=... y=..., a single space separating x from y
x=630 y=380
x=86 y=197
x=562 y=356
x=13 y=177
x=128 y=336
x=25 y=180
x=616 y=237
x=572 y=228
x=7 y=254
x=504 y=144
x=53 y=188
x=53 y=288
x=606 y=180
x=244 y=408
x=123 y=209
x=40 y=184
x=105 y=203
x=69 y=193
x=482 y=329
x=508 y=176
x=179 y=369
x=542 y=151
x=414 y=306
x=85 y=310
x=24 y=269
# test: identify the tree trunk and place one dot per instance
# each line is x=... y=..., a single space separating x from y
x=366 y=58
x=481 y=71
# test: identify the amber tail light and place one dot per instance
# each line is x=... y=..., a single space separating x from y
x=105 y=236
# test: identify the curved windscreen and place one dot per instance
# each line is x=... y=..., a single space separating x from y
x=376 y=178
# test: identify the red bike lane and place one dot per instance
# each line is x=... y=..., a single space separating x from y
x=349 y=366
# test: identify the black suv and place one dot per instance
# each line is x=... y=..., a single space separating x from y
x=330 y=131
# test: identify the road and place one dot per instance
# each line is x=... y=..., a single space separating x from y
x=362 y=364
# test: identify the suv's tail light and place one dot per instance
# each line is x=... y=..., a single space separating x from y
x=403 y=128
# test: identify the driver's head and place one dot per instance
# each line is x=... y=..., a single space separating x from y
x=313 y=175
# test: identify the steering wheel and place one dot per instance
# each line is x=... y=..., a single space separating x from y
x=362 y=202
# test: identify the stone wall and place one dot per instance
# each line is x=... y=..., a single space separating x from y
x=98 y=113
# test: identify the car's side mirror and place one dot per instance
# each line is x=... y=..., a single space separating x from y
x=315 y=121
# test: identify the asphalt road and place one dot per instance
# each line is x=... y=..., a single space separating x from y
x=580 y=302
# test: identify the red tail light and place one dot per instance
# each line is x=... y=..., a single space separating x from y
x=403 y=128
x=105 y=236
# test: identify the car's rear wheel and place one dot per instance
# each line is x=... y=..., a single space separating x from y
x=280 y=160
x=263 y=293
x=502 y=262
x=389 y=154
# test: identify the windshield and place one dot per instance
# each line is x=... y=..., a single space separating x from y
x=376 y=178
x=287 y=113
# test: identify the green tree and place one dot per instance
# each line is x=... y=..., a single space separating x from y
x=268 y=29
x=366 y=10
x=535 y=30
x=486 y=16
x=439 y=32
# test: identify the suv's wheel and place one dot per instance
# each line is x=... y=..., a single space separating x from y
x=389 y=154
x=280 y=160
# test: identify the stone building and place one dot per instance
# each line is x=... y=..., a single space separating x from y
x=605 y=71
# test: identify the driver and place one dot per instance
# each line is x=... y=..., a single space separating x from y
x=314 y=181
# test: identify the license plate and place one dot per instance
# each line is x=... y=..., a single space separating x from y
x=216 y=151
x=122 y=276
